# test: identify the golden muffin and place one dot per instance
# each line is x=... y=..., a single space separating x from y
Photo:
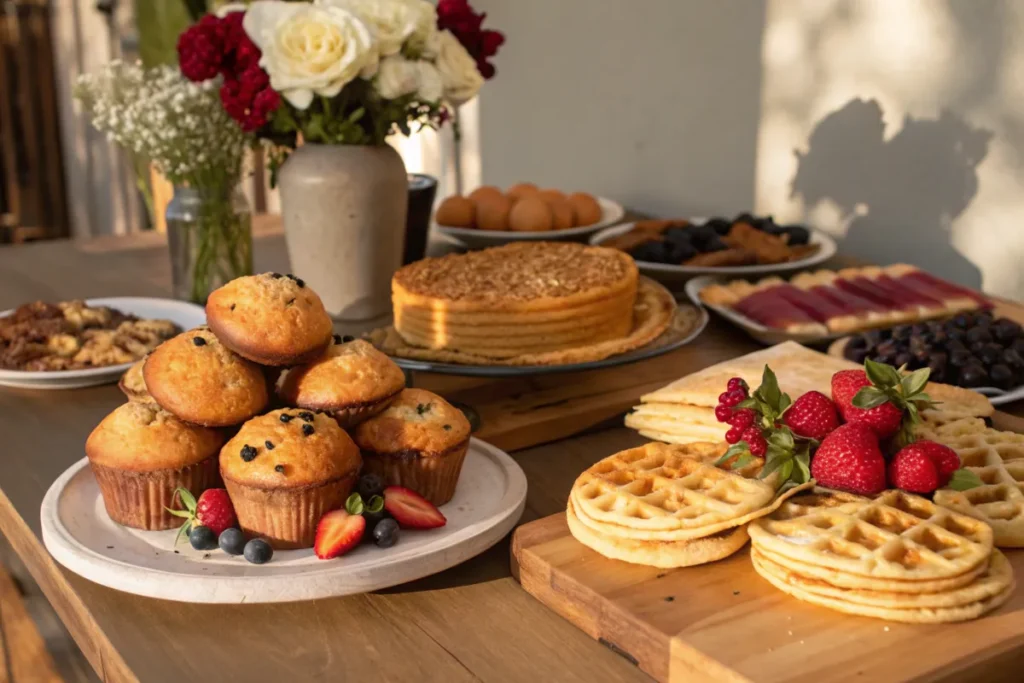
x=492 y=213
x=456 y=212
x=133 y=385
x=271 y=319
x=531 y=214
x=199 y=380
x=140 y=454
x=521 y=190
x=585 y=208
x=285 y=470
x=352 y=381
x=418 y=442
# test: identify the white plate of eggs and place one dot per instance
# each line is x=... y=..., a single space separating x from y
x=488 y=216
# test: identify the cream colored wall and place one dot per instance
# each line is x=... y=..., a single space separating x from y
x=896 y=124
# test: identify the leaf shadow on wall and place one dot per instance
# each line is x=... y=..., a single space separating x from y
x=899 y=193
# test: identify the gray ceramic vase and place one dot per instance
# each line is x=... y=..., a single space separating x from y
x=344 y=209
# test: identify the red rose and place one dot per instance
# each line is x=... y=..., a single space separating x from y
x=467 y=26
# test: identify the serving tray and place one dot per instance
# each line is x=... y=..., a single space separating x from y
x=78 y=533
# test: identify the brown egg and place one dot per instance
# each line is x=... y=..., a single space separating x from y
x=531 y=214
x=562 y=214
x=521 y=190
x=551 y=196
x=456 y=212
x=492 y=213
x=485 y=191
x=585 y=208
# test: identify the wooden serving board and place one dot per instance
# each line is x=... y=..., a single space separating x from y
x=723 y=622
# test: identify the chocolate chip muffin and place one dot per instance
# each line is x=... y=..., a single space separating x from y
x=199 y=380
x=140 y=454
x=271 y=319
x=133 y=385
x=352 y=381
x=418 y=442
x=284 y=470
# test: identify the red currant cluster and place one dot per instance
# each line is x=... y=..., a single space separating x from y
x=742 y=421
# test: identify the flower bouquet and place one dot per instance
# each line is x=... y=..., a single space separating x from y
x=183 y=130
x=323 y=84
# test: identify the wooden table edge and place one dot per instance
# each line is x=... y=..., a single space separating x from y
x=97 y=648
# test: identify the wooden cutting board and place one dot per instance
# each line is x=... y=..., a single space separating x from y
x=723 y=622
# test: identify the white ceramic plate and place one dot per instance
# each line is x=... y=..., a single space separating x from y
x=611 y=213
x=670 y=275
x=78 y=533
x=182 y=313
x=996 y=396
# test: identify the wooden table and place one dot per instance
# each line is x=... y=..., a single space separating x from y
x=470 y=623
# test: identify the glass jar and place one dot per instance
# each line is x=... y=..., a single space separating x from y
x=209 y=236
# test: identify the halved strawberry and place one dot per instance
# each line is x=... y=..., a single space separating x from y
x=337 y=533
x=411 y=510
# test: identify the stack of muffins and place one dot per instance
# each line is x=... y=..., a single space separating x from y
x=269 y=402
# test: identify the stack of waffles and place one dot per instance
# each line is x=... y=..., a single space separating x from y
x=669 y=506
x=998 y=459
x=684 y=411
x=897 y=557
x=827 y=302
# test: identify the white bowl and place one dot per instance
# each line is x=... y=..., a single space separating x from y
x=182 y=313
x=670 y=275
x=611 y=213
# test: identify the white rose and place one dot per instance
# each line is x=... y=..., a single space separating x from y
x=392 y=21
x=309 y=49
x=396 y=77
x=426 y=30
x=431 y=87
x=459 y=74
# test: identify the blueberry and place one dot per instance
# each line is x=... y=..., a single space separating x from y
x=714 y=244
x=202 y=538
x=702 y=235
x=385 y=533
x=1006 y=330
x=990 y=354
x=652 y=252
x=973 y=375
x=1013 y=359
x=901 y=359
x=961 y=358
x=978 y=334
x=858 y=342
x=962 y=320
x=902 y=332
x=677 y=236
x=1002 y=376
x=798 y=234
x=679 y=253
x=370 y=485
x=258 y=551
x=373 y=519
x=232 y=541
x=856 y=355
x=1018 y=345
x=719 y=225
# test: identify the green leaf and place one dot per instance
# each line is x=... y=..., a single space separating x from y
x=770 y=465
x=964 y=479
x=769 y=389
x=375 y=504
x=186 y=498
x=784 y=403
x=183 y=532
x=738 y=448
x=869 y=397
x=748 y=403
x=354 y=504
x=783 y=438
x=880 y=374
x=179 y=513
x=803 y=468
x=356 y=115
x=786 y=471
x=915 y=381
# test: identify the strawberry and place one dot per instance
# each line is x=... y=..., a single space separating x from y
x=213 y=510
x=944 y=458
x=912 y=470
x=411 y=510
x=882 y=398
x=812 y=416
x=337 y=533
x=850 y=459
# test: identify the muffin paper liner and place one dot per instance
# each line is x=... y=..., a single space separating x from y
x=432 y=476
x=138 y=499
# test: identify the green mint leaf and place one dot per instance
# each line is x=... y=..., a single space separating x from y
x=915 y=382
x=354 y=504
x=375 y=504
x=187 y=499
x=737 y=449
x=964 y=479
x=769 y=388
x=869 y=397
x=881 y=375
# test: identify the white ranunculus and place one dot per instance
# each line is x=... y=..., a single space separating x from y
x=459 y=74
x=397 y=76
x=392 y=21
x=426 y=30
x=431 y=88
x=309 y=49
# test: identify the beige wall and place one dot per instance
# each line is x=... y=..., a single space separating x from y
x=897 y=124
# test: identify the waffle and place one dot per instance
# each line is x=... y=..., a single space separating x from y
x=520 y=298
x=998 y=460
x=666 y=555
x=992 y=589
x=894 y=536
